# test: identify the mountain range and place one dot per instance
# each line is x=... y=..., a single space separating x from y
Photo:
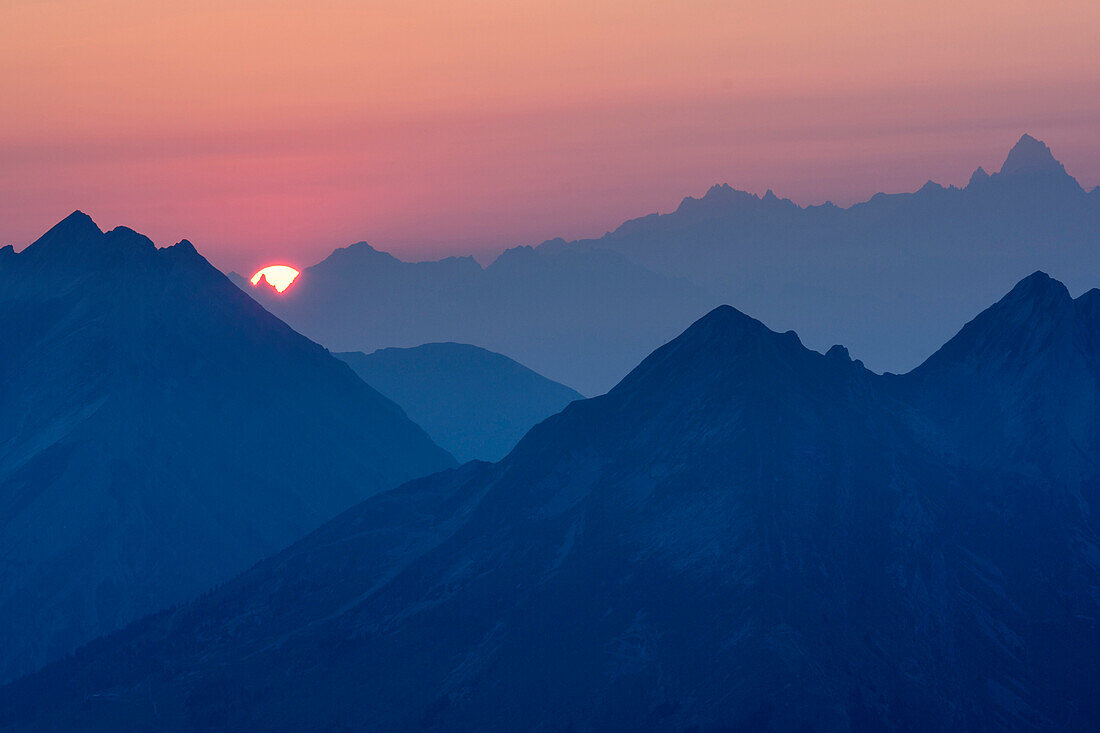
x=159 y=432
x=578 y=316
x=890 y=277
x=743 y=534
x=474 y=403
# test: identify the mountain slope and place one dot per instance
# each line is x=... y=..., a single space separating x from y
x=159 y=431
x=472 y=402
x=743 y=534
x=1019 y=382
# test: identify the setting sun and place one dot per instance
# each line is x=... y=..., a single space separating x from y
x=278 y=276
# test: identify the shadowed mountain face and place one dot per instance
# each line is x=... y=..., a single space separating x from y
x=891 y=277
x=159 y=431
x=743 y=534
x=472 y=402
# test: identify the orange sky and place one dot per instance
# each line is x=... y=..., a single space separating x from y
x=274 y=130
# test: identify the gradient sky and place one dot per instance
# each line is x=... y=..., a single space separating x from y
x=276 y=131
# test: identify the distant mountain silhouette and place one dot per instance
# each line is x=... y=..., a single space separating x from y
x=578 y=316
x=890 y=277
x=1030 y=157
x=159 y=432
x=742 y=535
x=472 y=402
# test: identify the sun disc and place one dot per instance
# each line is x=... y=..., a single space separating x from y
x=278 y=276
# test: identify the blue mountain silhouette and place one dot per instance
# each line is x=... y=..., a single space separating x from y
x=159 y=432
x=743 y=534
x=474 y=403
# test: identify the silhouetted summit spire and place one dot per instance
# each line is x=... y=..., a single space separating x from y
x=1030 y=167
x=1031 y=156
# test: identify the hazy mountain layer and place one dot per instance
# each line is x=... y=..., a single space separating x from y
x=159 y=431
x=891 y=277
x=581 y=317
x=743 y=535
x=472 y=402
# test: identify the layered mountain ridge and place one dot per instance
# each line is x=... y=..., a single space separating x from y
x=862 y=275
x=584 y=312
x=742 y=534
x=578 y=316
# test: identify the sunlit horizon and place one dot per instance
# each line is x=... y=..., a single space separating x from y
x=278 y=276
x=285 y=130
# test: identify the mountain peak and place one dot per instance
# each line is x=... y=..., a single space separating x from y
x=1035 y=303
x=719 y=197
x=1030 y=155
x=76 y=223
x=1016 y=327
x=75 y=228
x=724 y=339
x=358 y=253
x=978 y=176
x=725 y=320
x=1039 y=287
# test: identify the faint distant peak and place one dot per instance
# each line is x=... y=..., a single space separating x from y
x=1031 y=156
x=362 y=249
x=359 y=253
x=719 y=197
x=522 y=254
x=930 y=186
x=978 y=176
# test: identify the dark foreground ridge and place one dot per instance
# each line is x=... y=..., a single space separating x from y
x=160 y=432
x=742 y=535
